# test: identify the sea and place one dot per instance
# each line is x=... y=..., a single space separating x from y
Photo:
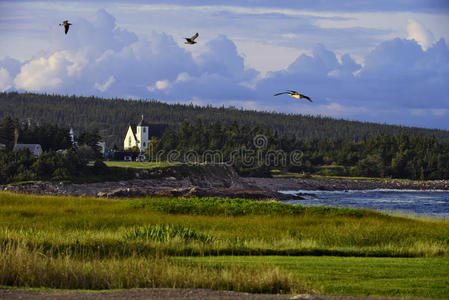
x=419 y=203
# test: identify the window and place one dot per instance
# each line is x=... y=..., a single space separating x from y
x=144 y=130
x=129 y=141
x=144 y=144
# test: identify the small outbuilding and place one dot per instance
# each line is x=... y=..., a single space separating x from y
x=35 y=149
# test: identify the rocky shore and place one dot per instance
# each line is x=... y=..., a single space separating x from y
x=283 y=184
x=217 y=181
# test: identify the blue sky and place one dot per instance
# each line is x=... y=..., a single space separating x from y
x=382 y=61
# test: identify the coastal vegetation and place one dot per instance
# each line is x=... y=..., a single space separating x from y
x=71 y=166
x=91 y=243
x=252 y=151
x=402 y=156
x=139 y=164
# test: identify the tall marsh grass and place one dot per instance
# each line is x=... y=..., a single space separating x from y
x=90 y=243
x=166 y=233
x=214 y=206
x=22 y=267
x=90 y=227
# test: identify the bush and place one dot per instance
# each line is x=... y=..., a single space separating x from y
x=100 y=168
x=262 y=171
x=61 y=174
x=50 y=165
x=16 y=165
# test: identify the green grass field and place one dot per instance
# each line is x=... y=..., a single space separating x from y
x=91 y=243
x=398 y=277
x=138 y=164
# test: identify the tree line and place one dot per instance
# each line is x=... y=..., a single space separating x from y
x=61 y=158
x=113 y=116
x=252 y=150
x=49 y=136
x=255 y=151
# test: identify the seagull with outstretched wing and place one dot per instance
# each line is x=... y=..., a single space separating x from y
x=66 y=25
x=294 y=94
x=191 y=40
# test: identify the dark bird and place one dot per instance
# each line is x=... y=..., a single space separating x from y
x=191 y=40
x=294 y=94
x=66 y=25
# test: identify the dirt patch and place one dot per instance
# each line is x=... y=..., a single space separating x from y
x=150 y=294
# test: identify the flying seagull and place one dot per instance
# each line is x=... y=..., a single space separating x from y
x=66 y=25
x=294 y=94
x=191 y=40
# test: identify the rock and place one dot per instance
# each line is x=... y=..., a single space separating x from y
x=175 y=192
x=125 y=192
x=306 y=297
x=283 y=197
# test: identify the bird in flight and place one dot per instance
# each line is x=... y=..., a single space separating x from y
x=294 y=94
x=191 y=40
x=66 y=25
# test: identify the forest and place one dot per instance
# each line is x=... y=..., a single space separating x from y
x=61 y=160
x=255 y=151
x=111 y=117
x=252 y=151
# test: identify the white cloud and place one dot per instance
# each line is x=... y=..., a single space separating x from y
x=103 y=87
x=44 y=73
x=417 y=31
x=5 y=80
x=183 y=77
x=162 y=84
x=159 y=85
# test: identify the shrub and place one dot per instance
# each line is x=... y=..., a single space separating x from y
x=100 y=168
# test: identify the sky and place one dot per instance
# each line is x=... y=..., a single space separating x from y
x=384 y=61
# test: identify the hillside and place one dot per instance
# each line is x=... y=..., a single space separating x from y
x=112 y=116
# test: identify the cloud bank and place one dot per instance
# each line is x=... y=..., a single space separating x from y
x=402 y=81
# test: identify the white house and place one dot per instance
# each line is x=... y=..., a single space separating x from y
x=35 y=149
x=138 y=137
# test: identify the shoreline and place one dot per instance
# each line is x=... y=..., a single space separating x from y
x=232 y=186
x=283 y=184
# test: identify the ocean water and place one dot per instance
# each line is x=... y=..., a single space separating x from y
x=434 y=203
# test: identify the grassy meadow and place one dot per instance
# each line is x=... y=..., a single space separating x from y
x=394 y=277
x=92 y=243
x=138 y=164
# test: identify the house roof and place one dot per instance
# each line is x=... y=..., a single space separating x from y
x=133 y=130
x=34 y=148
x=22 y=146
